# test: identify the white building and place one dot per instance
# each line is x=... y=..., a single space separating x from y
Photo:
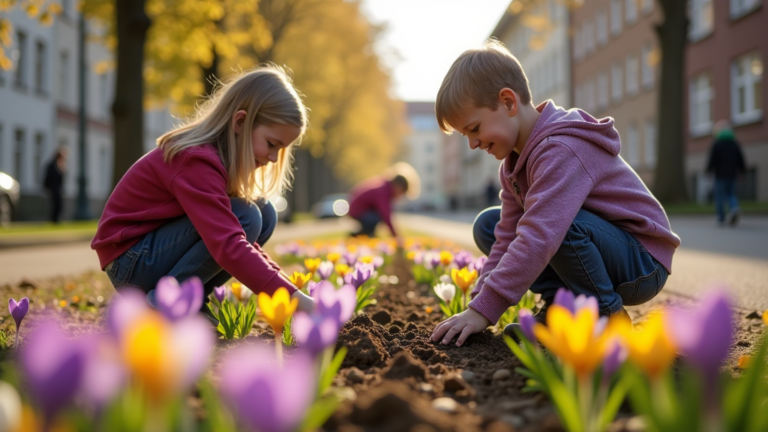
x=39 y=111
x=425 y=154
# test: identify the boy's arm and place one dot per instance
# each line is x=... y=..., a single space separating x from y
x=560 y=185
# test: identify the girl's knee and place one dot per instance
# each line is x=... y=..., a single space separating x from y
x=249 y=215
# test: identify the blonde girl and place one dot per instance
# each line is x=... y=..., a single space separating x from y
x=196 y=205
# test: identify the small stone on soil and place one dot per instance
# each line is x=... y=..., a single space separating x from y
x=467 y=375
x=445 y=404
x=514 y=420
x=355 y=376
x=426 y=388
x=501 y=374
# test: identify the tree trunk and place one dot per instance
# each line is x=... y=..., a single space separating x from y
x=128 y=108
x=211 y=74
x=669 y=185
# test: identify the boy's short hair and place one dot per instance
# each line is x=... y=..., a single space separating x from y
x=476 y=78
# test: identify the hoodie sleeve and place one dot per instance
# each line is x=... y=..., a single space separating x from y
x=555 y=171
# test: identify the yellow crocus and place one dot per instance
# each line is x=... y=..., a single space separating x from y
x=352 y=248
x=411 y=255
x=463 y=278
x=572 y=338
x=333 y=257
x=367 y=259
x=300 y=279
x=277 y=309
x=446 y=258
x=765 y=317
x=312 y=264
x=240 y=291
x=342 y=269
x=650 y=347
x=147 y=356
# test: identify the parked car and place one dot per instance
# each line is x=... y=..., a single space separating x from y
x=9 y=197
x=330 y=206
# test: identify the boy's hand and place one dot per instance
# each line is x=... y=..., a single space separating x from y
x=306 y=303
x=463 y=324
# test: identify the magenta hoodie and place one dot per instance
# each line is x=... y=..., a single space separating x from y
x=570 y=161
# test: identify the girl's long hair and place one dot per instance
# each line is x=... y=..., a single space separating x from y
x=267 y=95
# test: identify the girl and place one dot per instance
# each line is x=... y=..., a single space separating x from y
x=196 y=205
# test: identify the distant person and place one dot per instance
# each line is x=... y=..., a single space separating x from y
x=573 y=214
x=54 y=182
x=726 y=163
x=491 y=194
x=196 y=205
x=371 y=201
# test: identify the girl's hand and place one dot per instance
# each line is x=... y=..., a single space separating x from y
x=463 y=324
x=306 y=303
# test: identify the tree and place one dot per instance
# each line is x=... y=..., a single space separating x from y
x=35 y=10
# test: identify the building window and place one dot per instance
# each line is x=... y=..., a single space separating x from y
x=37 y=157
x=647 y=6
x=63 y=76
x=632 y=66
x=40 y=68
x=617 y=83
x=616 y=17
x=630 y=11
x=578 y=45
x=702 y=15
x=602 y=91
x=18 y=155
x=589 y=37
x=647 y=66
x=21 y=59
x=632 y=146
x=601 y=27
x=701 y=95
x=739 y=8
x=746 y=88
x=650 y=144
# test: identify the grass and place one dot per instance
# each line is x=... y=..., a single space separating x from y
x=691 y=208
x=46 y=228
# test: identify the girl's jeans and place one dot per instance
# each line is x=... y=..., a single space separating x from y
x=176 y=249
x=596 y=258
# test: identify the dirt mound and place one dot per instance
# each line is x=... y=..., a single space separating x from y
x=365 y=342
x=404 y=366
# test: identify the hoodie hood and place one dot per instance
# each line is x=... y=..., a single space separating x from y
x=554 y=120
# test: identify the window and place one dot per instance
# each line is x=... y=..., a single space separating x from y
x=701 y=13
x=601 y=27
x=616 y=18
x=40 y=68
x=650 y=144
x=37 y=157
x=632 y=66
x=746 y=88
x=578 y=46
x=647 y=6
x=63 y=76
x=589 y=37
x=647 y=66
x=21 y=58
x=633 y=146
x=701 y=95
x=739 y=8
x=630 y=11
x=617 y=84
x=589 y=96
x=602 y=91
x=18 y=155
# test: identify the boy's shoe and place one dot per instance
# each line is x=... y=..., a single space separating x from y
x=733 y=216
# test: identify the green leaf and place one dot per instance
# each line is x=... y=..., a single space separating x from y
x=287 y=332
x=320 y=411
x=616 y=396
x=327 y=375
x=217 y=417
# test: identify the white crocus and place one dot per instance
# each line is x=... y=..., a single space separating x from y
x=446 y=279
x=10 y=407
x=445 y=291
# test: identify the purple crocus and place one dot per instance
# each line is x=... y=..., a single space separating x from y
x=478 y=263
x=176 y=302
x=359 y=276
x=265 y=395
x=104 y=376
x=616 y=355
x=377 y=262
x=53 y=366
x=705 y=333
x=574 y=304
x=462 y=259
x=124 y=309
x=325 y=269
x=18 y=312
x=350 y=258
x=526 y=320
x=339 y=304
x=220 y=293
x=433 y=258
x=314 y=332
x=418 y=257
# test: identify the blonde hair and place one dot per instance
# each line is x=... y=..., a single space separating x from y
x=267 y=95
x=476 y=78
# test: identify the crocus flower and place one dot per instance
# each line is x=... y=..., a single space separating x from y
x=650 y=346
x=300 y=279
x=333 y=257
x=616 y=356
x=105 y=374
x=342 y=269
x=432 y=259
x=377 y=262
x=277 y=309
x=358 y=277
x=463 y=278
x=18 y=312
x=314 y=332
x=410 y=255
x=53 y=367
x=478 y=263
x=704 y=334
x=765 y=317
x=265 y=395
x=336 y=303
x=445 y=291
x=220 y=293
x=365 y=259
x=526 y=320
x=312 y=264
x=446 y=258
x=176 y=302
x=568 y=300
x=241 y=292
x=418 y=258
x=325 y=269
x=350 y=258
x=462 y=259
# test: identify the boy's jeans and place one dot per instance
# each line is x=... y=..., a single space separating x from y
x=725 y=191
x=596 y=258
x=176 y=249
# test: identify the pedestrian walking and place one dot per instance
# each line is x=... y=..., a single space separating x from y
x=726 y=163
x=54 y=182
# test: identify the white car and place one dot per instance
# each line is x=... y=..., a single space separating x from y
x=334 y=205
x=9 y=197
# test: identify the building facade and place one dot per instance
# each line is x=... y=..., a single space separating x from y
x=424 y=151
x=724 y=75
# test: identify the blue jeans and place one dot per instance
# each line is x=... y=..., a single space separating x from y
x=368 y=222
x=176 y=249
x=725 y=191
x=596 y=258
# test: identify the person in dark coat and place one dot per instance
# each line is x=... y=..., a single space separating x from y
x=726 y=163
x=54 y=182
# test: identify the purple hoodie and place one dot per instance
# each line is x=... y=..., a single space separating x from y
x=570 y=161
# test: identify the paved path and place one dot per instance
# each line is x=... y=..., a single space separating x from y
x=710 y=255
x=41 y=262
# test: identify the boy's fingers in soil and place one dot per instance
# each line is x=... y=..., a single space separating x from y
x=453 y=331
x=468 y=330
x=441 y=329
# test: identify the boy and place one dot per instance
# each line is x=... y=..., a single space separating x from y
x=573 y=213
